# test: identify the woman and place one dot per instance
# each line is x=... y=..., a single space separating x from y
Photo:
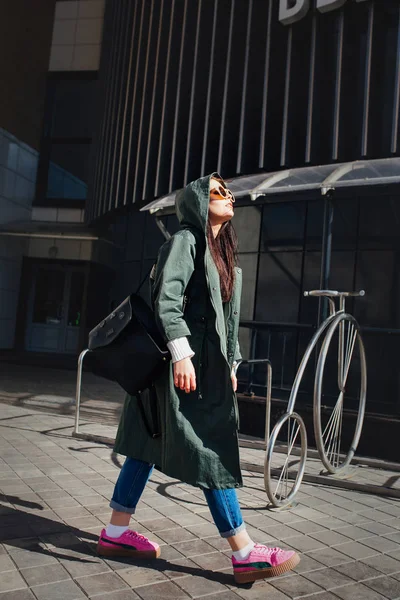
x=196 y=296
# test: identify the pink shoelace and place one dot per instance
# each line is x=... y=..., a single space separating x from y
x=136 y=536
x=265 y=550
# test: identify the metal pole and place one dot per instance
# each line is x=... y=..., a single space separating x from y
x=162 y=228
x=326 y=253
x=250 y=372
x=268 y=404
x=78 y=389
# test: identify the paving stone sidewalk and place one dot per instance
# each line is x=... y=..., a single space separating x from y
x=53 y=390
x=54 y=500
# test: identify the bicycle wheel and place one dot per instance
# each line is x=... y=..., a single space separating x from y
x=339 y=393
x=285 y=459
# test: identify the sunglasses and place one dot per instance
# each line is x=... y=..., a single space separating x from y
x=221 y=193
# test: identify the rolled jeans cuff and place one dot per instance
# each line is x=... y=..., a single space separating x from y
x=126 y=509
x=231 y=532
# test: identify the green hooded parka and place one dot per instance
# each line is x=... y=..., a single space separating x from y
x=198 y=442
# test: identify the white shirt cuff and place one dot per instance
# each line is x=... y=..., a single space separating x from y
x=180 y=349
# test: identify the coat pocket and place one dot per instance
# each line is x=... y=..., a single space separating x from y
x=148 y=407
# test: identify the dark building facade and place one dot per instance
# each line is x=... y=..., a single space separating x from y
x=243 y=87
x=49 y=261
x=193 y=87
x=190 y=87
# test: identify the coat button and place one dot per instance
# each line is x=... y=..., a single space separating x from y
x=214 y=289
x=235 y=312
x=202 y=319
x=230 y=354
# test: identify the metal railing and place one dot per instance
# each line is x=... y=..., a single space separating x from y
x=268 y=384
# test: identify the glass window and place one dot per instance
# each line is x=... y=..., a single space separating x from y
x=74 y=108
x=245 y=337
x=315 y=223
x=344 y=230
x=70 y=119
x=248 y=263
x=345 y=223
x=279 y=284
x=247 y=222
x=279 y=345
x=68 y=171
x=49 y=297
x=283 y=225
x=377 y=274
x=76 y=298
x=365 y=255
x=379 y=228
x=382 y=352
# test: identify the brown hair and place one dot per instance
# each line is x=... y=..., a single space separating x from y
x=223 y=249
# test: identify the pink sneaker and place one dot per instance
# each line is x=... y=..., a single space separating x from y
x=130 y=543
x=264 y=562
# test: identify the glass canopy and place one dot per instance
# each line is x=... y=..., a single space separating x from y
x=324 y=177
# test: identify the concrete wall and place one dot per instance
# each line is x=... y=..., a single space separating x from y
x=77 y=35
x=18 y=166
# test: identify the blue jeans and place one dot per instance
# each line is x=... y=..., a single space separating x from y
x=223 y=504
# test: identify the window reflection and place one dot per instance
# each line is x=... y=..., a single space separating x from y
x=365 y=255
x=70 y=119
x=49 y=297
x=68 y=171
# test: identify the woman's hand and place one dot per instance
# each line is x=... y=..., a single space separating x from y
x=234 y=380
x=185 y=375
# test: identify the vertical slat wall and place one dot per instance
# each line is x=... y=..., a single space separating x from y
x=193 y=86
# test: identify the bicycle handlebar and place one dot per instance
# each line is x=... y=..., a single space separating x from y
x=334 y=293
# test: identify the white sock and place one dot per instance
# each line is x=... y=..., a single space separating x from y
x=114 y=531
x=244 y=552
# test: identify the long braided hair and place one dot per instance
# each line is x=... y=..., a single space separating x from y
x=223 y=249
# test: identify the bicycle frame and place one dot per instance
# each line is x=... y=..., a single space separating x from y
x=342 y=376
x=321 y=329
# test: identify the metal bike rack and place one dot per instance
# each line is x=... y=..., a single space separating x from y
x=252 y=362
x=90 y=437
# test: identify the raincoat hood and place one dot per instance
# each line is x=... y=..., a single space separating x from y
x=192 y=203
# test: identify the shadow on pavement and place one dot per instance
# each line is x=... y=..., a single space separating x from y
x=30 y=532
x=26 y=503
x=162 y=490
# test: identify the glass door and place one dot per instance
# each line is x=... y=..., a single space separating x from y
x=55 y=309
x=74 y=299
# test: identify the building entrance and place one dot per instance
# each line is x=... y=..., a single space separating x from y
x=55 y=308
